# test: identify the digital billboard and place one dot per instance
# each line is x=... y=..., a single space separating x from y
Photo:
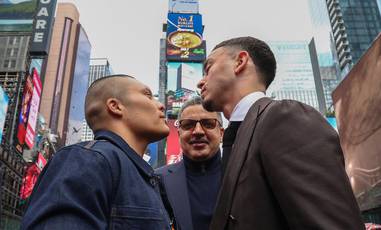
x=173 y=150
x=33 y=111
x=25 y=106
x=17 y=15
x=183 y=6
x=357 y=101
x=184 y=37
x=182 y=79
x=4 y=100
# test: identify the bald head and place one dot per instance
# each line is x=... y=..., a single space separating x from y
x=97 y=95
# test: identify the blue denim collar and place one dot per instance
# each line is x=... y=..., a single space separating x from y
x=138 y=161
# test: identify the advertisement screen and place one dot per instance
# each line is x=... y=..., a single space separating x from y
x=17 y=15
x=181 y=85
x=357 y=102
x=184 y=37
x=173 y=145
x=25 y=106
x=33 y=111
x=4 y=100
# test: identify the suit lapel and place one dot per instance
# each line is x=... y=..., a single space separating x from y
x=237 y=159
x=176 y=187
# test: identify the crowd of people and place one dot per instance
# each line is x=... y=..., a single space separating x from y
x=281 y=165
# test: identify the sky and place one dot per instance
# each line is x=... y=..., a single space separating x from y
x=128 y=32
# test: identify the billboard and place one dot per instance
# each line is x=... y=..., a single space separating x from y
x=42 y=27
x=181 y=85
x=173 y=150
x=33 y=111
x=25 y=106
x=184 y=38
x=183 y=6
x=17 y=15
x=357 y=102
x=31 y=176
x=4 y=100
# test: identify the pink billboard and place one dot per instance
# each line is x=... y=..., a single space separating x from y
x=33 y=111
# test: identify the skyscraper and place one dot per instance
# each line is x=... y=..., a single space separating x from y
x=294 y=78
x=355 y=24
x=182 y=53
x=99 y=67
x=326 y=49
x=67 y=55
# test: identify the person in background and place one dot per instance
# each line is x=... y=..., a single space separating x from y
x=192 y=184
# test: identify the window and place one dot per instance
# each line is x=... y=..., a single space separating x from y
x=16 y=40
x=13 y=64
x=6 y=64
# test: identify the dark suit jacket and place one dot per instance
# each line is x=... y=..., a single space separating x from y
x=286 y=171
x=174 y=180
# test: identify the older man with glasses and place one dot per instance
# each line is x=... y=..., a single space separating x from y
x=192 y=184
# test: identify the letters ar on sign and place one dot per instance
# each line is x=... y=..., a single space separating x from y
x=43 y=27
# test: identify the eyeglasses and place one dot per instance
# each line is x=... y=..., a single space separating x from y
x=188 y=124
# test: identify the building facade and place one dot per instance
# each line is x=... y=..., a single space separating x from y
x=355 y=24
x=294 y=78
x=99 y=67
x=62 y=69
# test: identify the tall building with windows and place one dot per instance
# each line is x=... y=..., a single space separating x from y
x=355 y=24
x=99 y=67
x=294 y=78
x=69 y=55
x=325 y=48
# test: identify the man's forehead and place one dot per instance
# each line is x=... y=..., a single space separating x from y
x=197 y=111
x=216 y=53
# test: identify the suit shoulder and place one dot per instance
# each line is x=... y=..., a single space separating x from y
x=165 y=170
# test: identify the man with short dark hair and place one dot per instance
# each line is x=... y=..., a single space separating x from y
x=105 y=184
x=192 y=184
x=285 y=169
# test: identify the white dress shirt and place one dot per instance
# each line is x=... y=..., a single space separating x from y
x=243 y=106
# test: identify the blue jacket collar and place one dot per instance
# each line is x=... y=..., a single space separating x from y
x=138 y=161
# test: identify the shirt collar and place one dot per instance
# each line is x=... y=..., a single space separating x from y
x=244 y=105
x=138 y=161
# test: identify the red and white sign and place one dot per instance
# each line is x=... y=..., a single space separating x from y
x=173 y=145
x=33 y=112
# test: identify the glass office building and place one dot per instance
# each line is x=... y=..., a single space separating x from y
x=294 y=78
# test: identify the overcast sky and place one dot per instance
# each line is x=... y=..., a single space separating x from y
x=128 y=32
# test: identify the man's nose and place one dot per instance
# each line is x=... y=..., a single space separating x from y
x=198 y=130
x=161 y=107
x=201 y=83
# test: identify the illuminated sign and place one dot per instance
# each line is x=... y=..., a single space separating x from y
x=33 y=111
x=184 y=38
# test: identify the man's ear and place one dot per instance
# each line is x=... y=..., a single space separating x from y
x=241 y=61
x=114 y=106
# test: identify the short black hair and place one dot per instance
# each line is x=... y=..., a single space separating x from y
x=99 y=91
x=259 y=52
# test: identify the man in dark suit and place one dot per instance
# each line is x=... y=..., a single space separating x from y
x=286 y=167
x=192 y=184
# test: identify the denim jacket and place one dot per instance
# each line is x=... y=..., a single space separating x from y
x=103 y=184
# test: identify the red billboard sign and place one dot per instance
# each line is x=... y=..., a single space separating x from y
x=173 y=144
